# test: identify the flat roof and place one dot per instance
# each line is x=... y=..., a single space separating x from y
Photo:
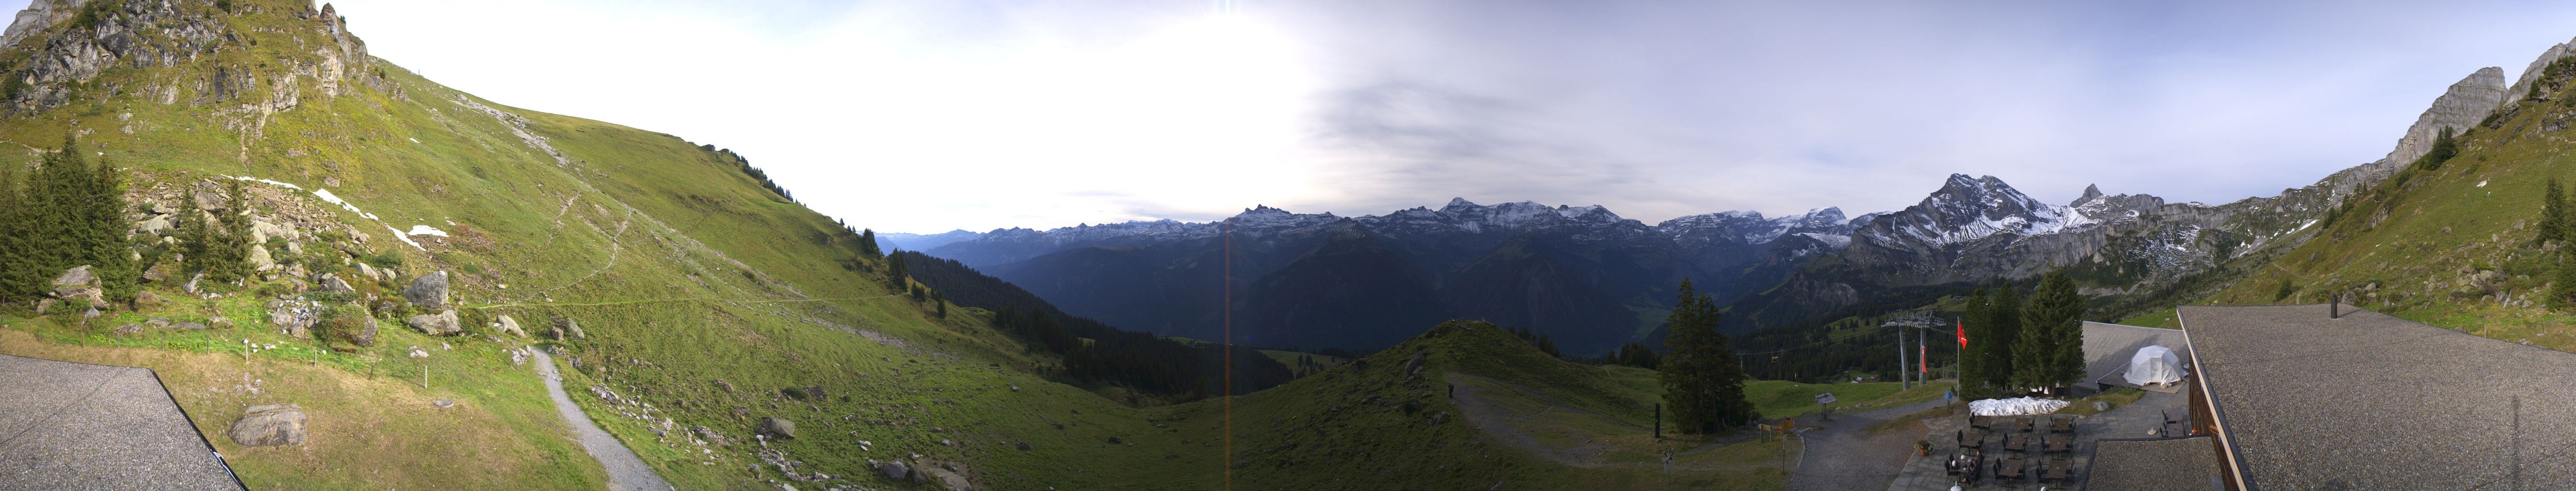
x=67 y=425
x=2369 y=401
x=2175 y=464
x=2108 y=347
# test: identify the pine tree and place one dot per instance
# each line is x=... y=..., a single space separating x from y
x=2562 y=292
x=896 y=274
x=2443 y=149
x=228 y=250
x=1973 y=357
x=2003 y=326
x=940 y=303
x=868 y=243
x=20 y=280
x=2050 y=352
x=106 y=245
x=1702 y=382
x=2553 y=215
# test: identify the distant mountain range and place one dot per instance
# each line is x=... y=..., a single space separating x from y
x=1592 y=280
x=1587 y=277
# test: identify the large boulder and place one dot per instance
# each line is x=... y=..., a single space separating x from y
x=511 y=326
x=777 y=427
x=368 y=271
x=261 y=230
x=571 y=328
x=429 y=290
x=79 y=283
x=331 y=283
x=442 y=323
x=268 y=425
x=259 y=258
x=895 y=470
x=157 y=225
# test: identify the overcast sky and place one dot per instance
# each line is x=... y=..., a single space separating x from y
x=940 y=114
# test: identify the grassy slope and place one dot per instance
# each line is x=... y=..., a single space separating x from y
x=2440 y=228
x=1342 y=441
x=637 y=241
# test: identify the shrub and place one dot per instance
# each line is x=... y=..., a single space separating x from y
x=387 y=259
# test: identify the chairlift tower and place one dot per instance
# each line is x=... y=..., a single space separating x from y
x=1918 y=319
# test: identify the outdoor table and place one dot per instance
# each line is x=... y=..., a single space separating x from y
x=1984 y=422
x=2058 y=443
x=2021 y=423
x=2061 y=424
x=1972 y=438
x=2008 y=468
x=2017 y=443
x=2056 y=468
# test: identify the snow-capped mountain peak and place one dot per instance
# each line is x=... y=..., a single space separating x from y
x=1967 y=209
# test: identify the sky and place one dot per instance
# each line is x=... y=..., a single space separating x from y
x=925 y=116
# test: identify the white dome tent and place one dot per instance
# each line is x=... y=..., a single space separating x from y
x=2154 y=365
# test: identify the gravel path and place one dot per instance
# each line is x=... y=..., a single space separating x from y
x=1841 y=455
x=625 y=471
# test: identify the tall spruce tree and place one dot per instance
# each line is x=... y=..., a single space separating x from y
x=1702 y=382
x=868 y=243
x=2003 y=327
x=2051 y=352
x=2553 y=215
x=1972 y=358
x=2562 y=293
x=106 y=246
x=20 y=278
x=897 y=276
x=229 y=250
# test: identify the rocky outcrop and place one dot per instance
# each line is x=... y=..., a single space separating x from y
x=776 y=427
x=2463 y=106
x=511 y=326
x=80 y=285
x=442 y=323
x=269 y=425
x=429 y=290
x=331 y=283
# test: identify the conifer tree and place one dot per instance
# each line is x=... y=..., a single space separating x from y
x=2562 y=292
x=1973 y=357
x=1702 y=382
x=868 y=243
x=2553 y=215
x=2003 y=327
x=940 y=303
x=896 y=274
x=105 y=244
x=228 y=246
x=20 y=280
x=2050 y=351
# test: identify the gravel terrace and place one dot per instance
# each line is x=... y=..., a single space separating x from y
x=1841 y=455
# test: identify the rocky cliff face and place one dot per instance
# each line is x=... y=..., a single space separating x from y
x=2463 y=106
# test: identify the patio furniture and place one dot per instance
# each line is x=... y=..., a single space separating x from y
x=1981 y=422
x=2017 y=443
x=1967 y=467
x=2058 y=443
x=2021 y=424
x=2056 y=469
x=2008 y=468
x=2061 y=424
x=1972 y=438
